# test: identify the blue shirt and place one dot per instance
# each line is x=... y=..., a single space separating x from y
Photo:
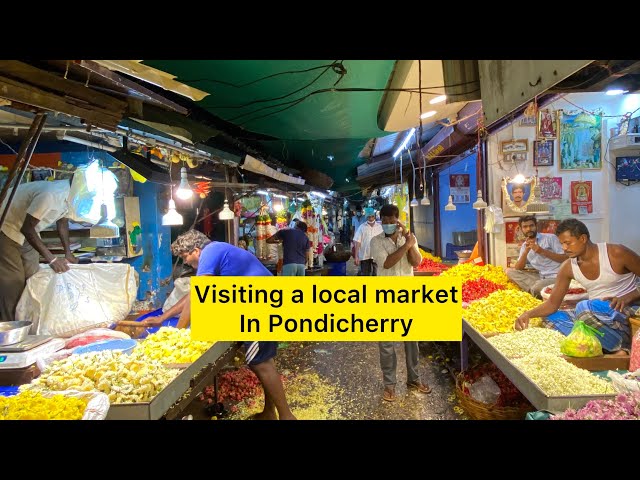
x=223 y=259
x=356 y=222
x=547 y=267
x=295 y=244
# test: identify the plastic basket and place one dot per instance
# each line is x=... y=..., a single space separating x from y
x=483 y=411
x=337 y=269
x=120 y=345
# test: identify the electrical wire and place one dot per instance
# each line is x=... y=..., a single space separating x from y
x=289 y=72
x=8 y=146
x=253 y=102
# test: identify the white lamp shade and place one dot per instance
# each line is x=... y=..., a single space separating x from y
x=226 y=213
x=479 y=204
x=425 y=201
x=414 y=202
x=184 y=191
x=450 y=206
x=172 y=217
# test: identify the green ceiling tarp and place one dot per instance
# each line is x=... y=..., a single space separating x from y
x=299 y=102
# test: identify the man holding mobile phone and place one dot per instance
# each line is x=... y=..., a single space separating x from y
x=395 y=251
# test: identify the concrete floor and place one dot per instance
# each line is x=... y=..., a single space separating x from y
x=354 y=367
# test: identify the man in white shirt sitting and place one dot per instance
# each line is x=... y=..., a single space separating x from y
x=362 y=242
x=543 y=251
x=35 y=206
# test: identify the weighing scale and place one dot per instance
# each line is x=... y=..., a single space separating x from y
x=25 y=353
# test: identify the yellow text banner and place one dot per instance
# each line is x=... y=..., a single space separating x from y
x=326 y=309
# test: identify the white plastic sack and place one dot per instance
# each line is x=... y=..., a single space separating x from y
x=627 y=383
x=85 y=297
x=181 y=286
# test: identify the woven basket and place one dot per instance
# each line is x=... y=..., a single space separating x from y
x=483 y=411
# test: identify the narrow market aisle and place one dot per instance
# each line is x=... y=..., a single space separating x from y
x=352 y=371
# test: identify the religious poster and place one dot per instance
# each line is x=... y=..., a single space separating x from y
x=548 y=226
x=581 y=198
x=550 y=188
x=459 y=188
x=513 y=240
x=513 y=233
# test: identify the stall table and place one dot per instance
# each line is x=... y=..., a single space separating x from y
x=172 y=399
x=528 y=387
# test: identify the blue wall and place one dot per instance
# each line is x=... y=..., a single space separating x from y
x=154 y=265
x=465 y=217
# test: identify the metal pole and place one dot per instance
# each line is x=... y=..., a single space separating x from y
x=22 y=161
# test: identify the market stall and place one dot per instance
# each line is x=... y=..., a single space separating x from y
x=142 y=379
x=531 y=359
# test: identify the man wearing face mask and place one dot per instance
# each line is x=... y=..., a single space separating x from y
x=357 y=221
x=395 y=251
x=362 y=241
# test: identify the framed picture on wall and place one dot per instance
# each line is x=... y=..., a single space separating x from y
x=547 y=124
x=516 y=196
x=515 y=157
x=580 y=141
x=543 y=153
x=514 y=146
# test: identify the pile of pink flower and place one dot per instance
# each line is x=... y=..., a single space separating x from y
x=626 y=406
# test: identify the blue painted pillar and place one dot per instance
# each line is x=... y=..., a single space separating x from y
x=154 y=265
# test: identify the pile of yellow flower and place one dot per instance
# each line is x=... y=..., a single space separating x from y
x=123 y=378
x=429 y=256
x=499 y=311
x=469 y=271
x=170 y=345
x=33 y=406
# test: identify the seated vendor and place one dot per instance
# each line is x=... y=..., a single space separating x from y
x=543 y=251
x=608 y=272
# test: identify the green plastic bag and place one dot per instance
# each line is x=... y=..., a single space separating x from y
x=582 y=341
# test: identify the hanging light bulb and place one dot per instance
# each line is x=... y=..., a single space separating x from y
x=414 y=202
x=184 y=191
x=172 y=217
x=519 y=178
x=104 y=228
x=278 y=207
x=479 y=203
x=425 y=200
x=226 y=213
x=450 y=206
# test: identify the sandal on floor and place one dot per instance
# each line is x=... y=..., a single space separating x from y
x=419 y=386
x=389 y=395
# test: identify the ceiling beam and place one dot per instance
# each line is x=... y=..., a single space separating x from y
x=29 y=95
x=133 y=88
x=49 y=81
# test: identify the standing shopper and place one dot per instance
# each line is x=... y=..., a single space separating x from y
x=396 y=253
x=362 y=241
x=295 y=245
